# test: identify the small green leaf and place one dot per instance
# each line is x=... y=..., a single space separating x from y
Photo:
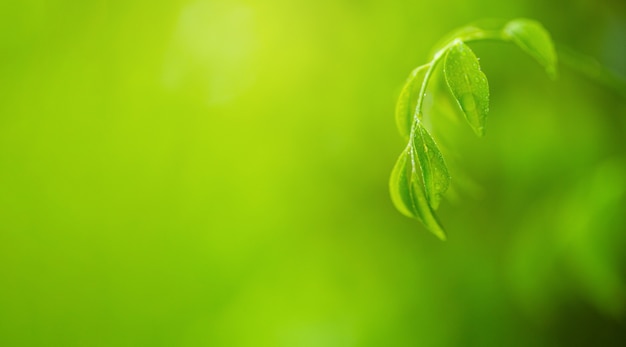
x=468 y=85
x=405 y=107
x=533 y=38
x=407 y=193
x=400 y=185
x=434 y=170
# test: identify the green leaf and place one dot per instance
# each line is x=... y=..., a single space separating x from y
x=434 y=170
x=405 y=107
x=533 y=38
x=468 y=84
x=408 y=195
x=400 y=185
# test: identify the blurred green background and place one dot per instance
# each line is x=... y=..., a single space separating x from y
x=214 y=173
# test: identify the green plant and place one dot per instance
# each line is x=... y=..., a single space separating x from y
x=420 y=176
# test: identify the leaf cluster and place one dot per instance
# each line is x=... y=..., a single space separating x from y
x=420 y=176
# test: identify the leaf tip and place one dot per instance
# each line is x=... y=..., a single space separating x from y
x=432 y=224
x=480 y=131
x=553 y=72
x=438 y=232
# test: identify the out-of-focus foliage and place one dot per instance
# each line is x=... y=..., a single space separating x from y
x=533 y=38
x=214 y=173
